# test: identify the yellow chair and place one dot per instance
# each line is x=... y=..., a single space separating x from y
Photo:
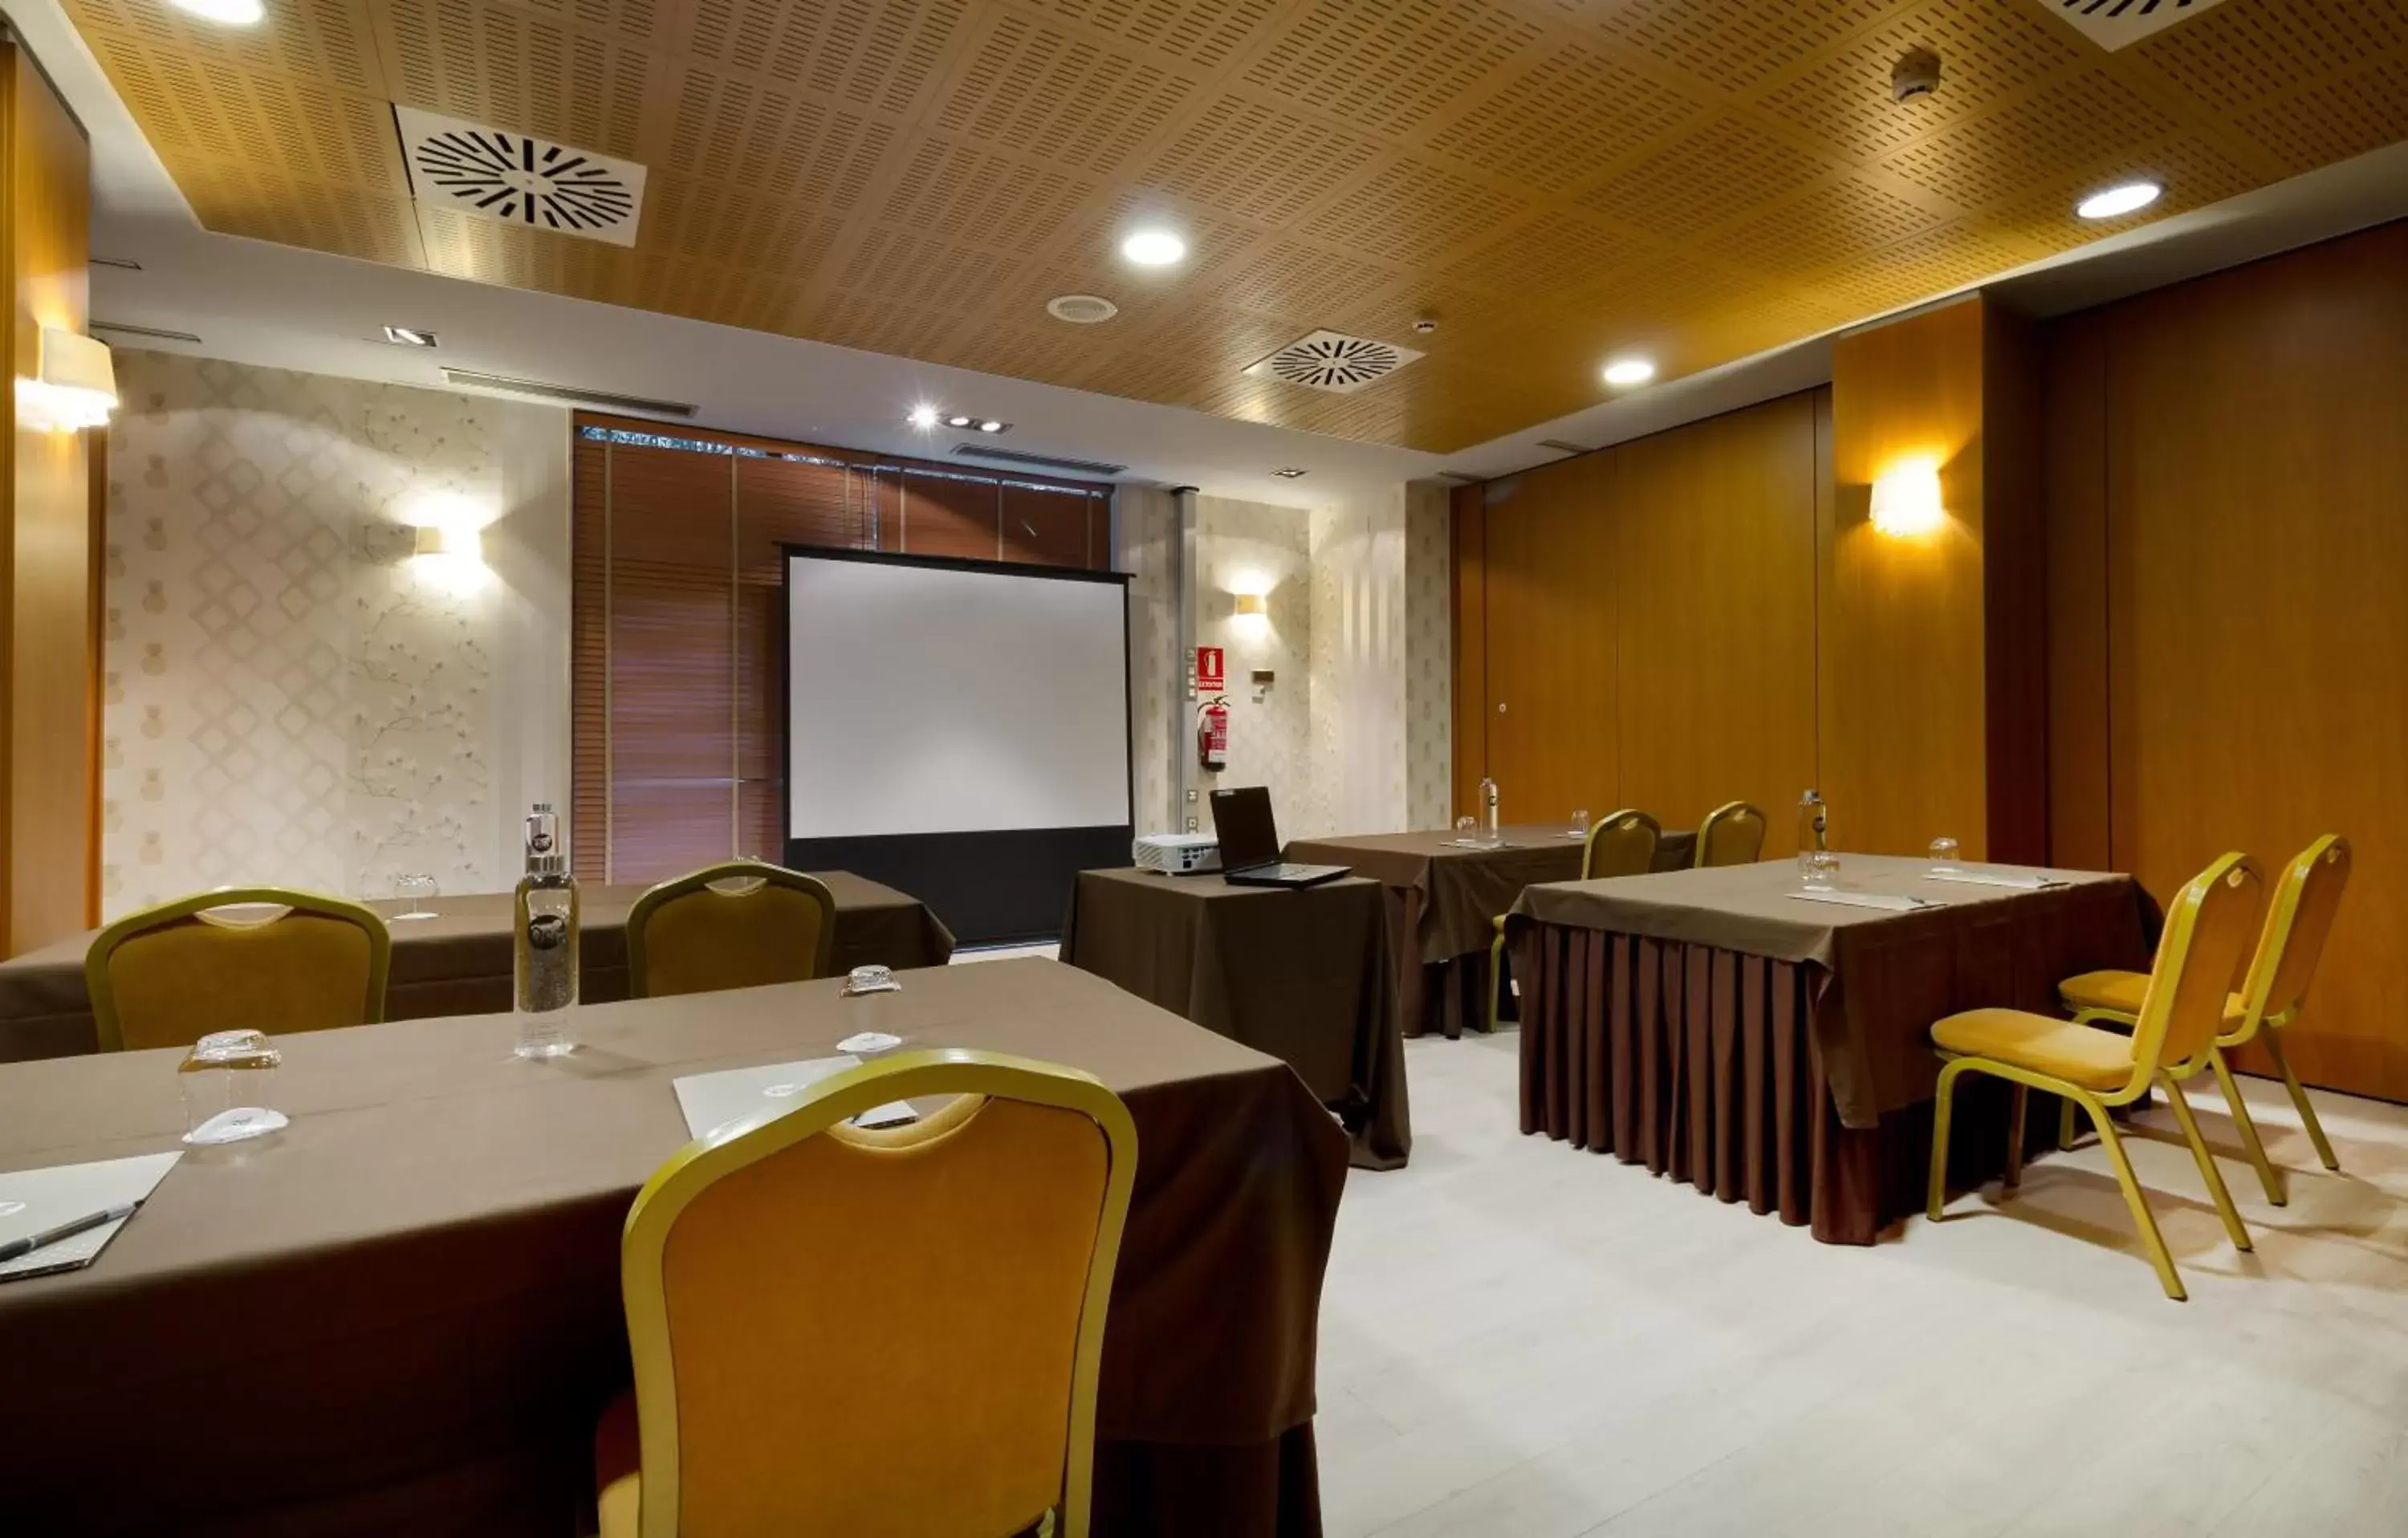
x=736 y=924
x=2288 y=948
x=1732 y=834
x=2206 y=931
x=839 y=1331
x=169 y=975
x=1620 y=844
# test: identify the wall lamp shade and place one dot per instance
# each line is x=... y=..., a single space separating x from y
x=1252 y=603
x=1907 y=500
x=77 y=387
x=451 y=541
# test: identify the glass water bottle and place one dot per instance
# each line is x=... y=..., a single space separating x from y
x=1488 y=811
x=1813 y=827
x=543 y=941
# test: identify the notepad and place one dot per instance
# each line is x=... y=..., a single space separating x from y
x=1866 y=899
x=715 y=1101
x=2020 y=881
x=35 y=1200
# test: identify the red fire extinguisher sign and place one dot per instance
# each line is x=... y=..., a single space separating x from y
x=1210 y=677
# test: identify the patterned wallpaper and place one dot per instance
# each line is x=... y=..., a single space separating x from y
x=1358 y=665
x=1147 y=522
x=289 y=695
x=1252 y=547
x=1429 y=655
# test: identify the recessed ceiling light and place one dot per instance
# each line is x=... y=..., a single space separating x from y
x=232 y=13
x=404 y=336
x=957 y=419
x=2115 y=202
x=922 y=416
x=1288 y=472
x=1623 y=372
x=991 y=425
x=1153 y=247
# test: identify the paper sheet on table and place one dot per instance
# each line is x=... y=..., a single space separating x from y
x=2020 y=881
x=712 y=1100
x=34 y=1200
x=1868 y=900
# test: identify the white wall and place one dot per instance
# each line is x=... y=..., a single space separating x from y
x=289 y=697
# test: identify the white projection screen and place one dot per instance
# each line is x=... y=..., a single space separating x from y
x=958 y=730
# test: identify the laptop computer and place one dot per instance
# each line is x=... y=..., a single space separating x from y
x=1250 y=845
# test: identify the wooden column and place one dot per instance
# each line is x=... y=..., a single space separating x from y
x=49 y=646
x=1933 y=646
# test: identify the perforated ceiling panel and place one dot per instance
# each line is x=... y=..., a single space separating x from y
x=1551 y=180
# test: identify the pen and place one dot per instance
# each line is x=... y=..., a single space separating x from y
x=85 y=1224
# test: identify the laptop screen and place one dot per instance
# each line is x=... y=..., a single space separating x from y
x=1241 y=821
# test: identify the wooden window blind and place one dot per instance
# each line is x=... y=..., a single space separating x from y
x=676 y=607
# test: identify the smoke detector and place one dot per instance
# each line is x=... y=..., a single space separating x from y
x=1915 y=74
x=1333 y=361
x=1081 y=308
x=517 y=178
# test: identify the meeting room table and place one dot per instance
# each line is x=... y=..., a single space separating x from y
x=1302 y=975
x=1444 y=891
x=1719 y=1029
x=401 y=1314
x=458 y=962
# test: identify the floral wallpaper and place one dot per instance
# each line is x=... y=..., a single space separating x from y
x=1147 y=519
x=1429 y=655
x=289 y=697
x=1253 y=547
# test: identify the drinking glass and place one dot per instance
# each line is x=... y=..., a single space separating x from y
x=1822 y=870
x=414 y=895
x=226 y=1079
x=1580 y=824
x=1943 y=854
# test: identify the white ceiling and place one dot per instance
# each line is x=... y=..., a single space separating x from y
x=282 y=306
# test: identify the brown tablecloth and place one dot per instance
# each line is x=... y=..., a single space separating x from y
x=458 y=961
x=402 y=1314
x=1303 y=975
x=1442 y=905
x=1777 y=1051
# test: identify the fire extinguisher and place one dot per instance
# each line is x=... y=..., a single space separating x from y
x=1213 y=733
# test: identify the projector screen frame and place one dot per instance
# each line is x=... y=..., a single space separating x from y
x=1000 y=854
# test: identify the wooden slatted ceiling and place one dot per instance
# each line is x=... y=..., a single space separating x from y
x=1552 y=178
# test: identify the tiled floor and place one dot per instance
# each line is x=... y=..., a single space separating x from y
x=1520 y=1341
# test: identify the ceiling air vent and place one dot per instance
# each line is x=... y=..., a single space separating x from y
x=1331 y=361
x=600 y=399
x=1038 y=462
x=2120 y=24
x=517 y=178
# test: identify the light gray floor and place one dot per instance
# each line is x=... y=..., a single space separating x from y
x=1520 y=1341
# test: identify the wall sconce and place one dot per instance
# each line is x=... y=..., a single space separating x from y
x=78 y=386
x=452 y=542
x=1254 y=604
x=1907 y=500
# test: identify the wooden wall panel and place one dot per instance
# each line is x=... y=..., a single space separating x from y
x=2074 y=385
x=1468 y=585
x=2257 y=501
x=51 y=777
x=1903 y=711
x=1551 y=711
x=1715 y=560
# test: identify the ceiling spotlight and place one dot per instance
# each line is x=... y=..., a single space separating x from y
x=1288 y=472
x=924 y=416
x=1623 y=372
x=991 y=425
x=1153 y=247
x=2115 y=202
x=232 y=13
x=403 y=336
x=957 y=419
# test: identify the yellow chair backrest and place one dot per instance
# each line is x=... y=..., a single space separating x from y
x=736 y=924
x=1622 y=843
x=1732 y=834
x=2299 y=919
x=847 y=1332
x=2207 y=929
x=260 y=958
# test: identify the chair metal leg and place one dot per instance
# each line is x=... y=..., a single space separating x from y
x=2065 y=1128
x=2206 y=1161
x=1943 y=1103
x=2249 y=1142
x=1495 y=978
x=2142 y=1217
x=2272 y=1037
x=2014 y=1175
